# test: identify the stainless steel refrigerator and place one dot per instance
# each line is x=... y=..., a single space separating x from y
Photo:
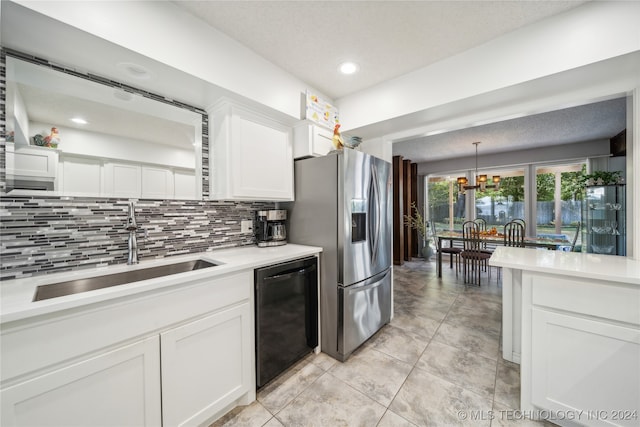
x=343 y=204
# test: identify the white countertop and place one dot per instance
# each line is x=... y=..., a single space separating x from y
x=16 y=295
x=592 y=266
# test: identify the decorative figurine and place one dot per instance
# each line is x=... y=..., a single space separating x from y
x=52 y=140
x=338 y=143
x=38 y=140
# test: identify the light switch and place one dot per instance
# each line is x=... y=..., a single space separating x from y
x=246 y=226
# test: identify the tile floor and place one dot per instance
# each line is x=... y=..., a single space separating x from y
x=436 y=364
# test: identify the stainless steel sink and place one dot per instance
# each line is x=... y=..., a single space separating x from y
x=83 y=285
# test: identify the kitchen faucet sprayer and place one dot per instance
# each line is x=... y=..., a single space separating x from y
x=132 y=227
x=131 y=219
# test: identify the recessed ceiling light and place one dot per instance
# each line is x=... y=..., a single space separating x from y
x=134 y=70
x=349 y=68
x=79 y=120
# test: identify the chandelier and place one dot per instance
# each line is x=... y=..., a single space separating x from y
x=480 y=180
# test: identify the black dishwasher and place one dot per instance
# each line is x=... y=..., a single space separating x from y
x=286 y=298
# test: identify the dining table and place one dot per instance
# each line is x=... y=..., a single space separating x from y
x=495 y=239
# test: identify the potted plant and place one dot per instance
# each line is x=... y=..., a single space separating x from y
x=418 y=223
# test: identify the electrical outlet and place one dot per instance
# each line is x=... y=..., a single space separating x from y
x=246 y=226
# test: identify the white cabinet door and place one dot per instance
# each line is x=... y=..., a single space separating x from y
x=185 y=184
x=80 y=175
x=157 y=183
x=252 y=155
x=118 y=388
x=206 y=365
x=262 y=159
x=583 y=364
x=311 y=140
x=31 y=161
x=122 y=180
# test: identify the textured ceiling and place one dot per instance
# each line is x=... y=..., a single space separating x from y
x=309 y=39
x=600 y=120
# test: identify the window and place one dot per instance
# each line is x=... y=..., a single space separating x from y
x=556 y=204
x=559 y=200
x=446 y=204
x=497 y=207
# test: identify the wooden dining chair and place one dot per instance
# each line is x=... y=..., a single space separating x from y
x=482 y=225
x=453 y=252
x=472 y=257
x=520 y=221
x=514 y=234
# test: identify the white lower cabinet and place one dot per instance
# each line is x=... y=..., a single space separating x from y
x=118 y=388
x=181 y=356
x=582 y=364
x=204 y=365
x=580 y=350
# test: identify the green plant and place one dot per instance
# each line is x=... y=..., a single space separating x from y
x=417 y=222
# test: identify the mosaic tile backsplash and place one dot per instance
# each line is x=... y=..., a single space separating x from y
x=50 y=234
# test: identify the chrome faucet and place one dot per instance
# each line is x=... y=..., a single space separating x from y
x=132 y=227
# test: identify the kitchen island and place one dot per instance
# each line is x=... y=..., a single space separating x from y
x=572 y=321
x=171 y=350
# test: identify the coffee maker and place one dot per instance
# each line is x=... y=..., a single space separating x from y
x=270 y=228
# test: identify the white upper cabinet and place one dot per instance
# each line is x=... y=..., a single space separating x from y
x=78 y=174
x=252 y=156
x=157 y=183
x=31 y=162
x=123 y=179
x=310 y=140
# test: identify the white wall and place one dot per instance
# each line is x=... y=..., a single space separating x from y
x=20 y=125
x=100 y=145
x=378 y=147
x=590 y=33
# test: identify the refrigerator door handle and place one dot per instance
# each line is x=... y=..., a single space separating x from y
x=376 y=208
x=372 y=231
x=371 y=282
